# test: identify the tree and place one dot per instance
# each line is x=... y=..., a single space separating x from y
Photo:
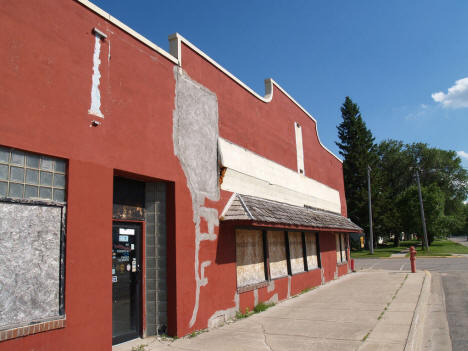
x=390 y=178
x=444 y=188
x=434 y=205
x=357 y=148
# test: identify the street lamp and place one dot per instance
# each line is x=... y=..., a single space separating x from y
x=421 y=208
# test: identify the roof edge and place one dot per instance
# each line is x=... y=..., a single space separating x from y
x=96 y=9
x=175 y=57
x=287 y=226
x=175 y=41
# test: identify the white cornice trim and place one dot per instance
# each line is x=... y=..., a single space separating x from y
x=175 y=41
x=128 y=30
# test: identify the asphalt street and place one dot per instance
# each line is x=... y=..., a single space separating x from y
x=453 y=272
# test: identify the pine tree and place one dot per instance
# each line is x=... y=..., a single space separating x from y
x=357 y=148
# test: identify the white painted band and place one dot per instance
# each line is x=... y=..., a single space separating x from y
x=251 y=174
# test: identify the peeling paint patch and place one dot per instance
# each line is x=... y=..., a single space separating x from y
x=195 y=136
x=255 y=297
x=271 y=286
x=220 y=317
x=95 y=108
x=289 y=286
x=273 y=299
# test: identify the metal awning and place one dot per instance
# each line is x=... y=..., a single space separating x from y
x=258 y=211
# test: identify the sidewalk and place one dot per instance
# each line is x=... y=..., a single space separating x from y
x=459 y=240
x=371 y=310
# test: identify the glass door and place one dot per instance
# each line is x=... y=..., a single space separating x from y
x=126 y=281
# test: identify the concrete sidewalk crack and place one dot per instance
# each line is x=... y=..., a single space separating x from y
x=265 y=341
x=363 y=341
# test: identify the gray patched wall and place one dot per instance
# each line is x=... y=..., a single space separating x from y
x=195 y=137
x=29 y=263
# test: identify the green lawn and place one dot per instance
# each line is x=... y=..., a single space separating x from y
x=438 y=248
x=443 y=248
x=378 y=252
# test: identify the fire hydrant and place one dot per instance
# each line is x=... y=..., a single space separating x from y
x=412 y=251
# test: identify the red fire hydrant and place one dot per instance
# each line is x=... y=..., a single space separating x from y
x=412 y=251
x=352 y=265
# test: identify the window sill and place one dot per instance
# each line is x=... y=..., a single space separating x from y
x=251 y=287
x=32 y=329
x=314 y=269
x=280 y=277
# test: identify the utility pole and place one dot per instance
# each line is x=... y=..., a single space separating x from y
x=371 y=234
x=421 y=207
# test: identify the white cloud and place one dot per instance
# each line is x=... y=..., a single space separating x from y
x=463 y=154
x=456 y=96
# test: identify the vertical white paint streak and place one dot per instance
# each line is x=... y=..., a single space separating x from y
x=255 y=297
x=95 y=108
x=271 y=286
x=299 y=148
x=211 y=216
x=108 y=54
x=289 y=286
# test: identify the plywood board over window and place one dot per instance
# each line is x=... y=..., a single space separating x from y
x=249 y=257
x=311 y=250
x=277 y=254
x=338 y=250
x=296 y=252
x=343 y=247
x=340 y=247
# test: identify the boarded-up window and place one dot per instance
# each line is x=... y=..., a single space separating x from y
x=343 y=247
x=30 y=254
x=340 y=247
x=249 y=254
x=311 y=250
x=277 y=254
x=32 y=217
x=296 y=252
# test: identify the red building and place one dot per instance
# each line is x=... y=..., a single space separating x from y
x=203 y=197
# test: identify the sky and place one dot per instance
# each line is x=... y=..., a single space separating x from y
x=405 y=63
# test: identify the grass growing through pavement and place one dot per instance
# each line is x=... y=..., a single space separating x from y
x=439 y=247
x=262 y=306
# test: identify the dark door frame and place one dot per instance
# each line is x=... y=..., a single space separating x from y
x=140 y=285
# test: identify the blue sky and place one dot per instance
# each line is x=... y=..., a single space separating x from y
x=403 y=62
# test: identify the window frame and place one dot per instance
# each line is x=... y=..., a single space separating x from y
x=53 y=166
x=40 y=169
x=62 y=258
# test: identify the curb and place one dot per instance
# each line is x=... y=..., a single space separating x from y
x=416 y=333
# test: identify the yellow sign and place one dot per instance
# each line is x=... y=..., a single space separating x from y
x=362 y=242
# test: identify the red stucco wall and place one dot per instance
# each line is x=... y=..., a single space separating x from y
x=45 y=71
x=266 y=128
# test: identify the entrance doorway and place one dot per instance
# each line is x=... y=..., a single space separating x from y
x=126 y=281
